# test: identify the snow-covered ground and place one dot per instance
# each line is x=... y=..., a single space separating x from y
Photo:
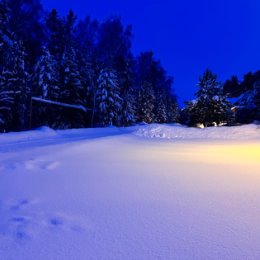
x=147 y=192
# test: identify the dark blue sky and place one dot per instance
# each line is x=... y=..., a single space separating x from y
x=187 y=36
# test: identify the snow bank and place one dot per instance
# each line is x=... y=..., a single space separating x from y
x=245 y=132
x=42 y=132
x=44 y=136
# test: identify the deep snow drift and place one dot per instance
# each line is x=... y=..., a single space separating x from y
x=116 y=194
x=176 y=131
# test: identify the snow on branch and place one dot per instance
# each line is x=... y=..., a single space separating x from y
x=60 y=104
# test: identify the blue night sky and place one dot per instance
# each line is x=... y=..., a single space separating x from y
x=187 y=36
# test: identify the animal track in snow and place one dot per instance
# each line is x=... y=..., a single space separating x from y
x=67 y=223
x=35 y=164
x=31 y=165
x=23 y=220
x=8 y=166
x=16 y=222
x=20 y=205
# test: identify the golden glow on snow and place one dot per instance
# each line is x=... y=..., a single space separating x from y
x=226 y=154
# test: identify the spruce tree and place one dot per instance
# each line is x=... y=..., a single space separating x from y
x=55 y=34
x=46 y=86
x=18 y=82
x=161 y=108
x=15 y=90
x=127 y=90
x=212 y=106
x=109 y=102
x=232 y=87
x=173 y=114
x=26 y=22
x=72 y=90
x=6 y=101
x=46 y=77
x=146 y=103
x=6 y=43
x=129 y=107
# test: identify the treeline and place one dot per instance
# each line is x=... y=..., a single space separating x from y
x=85 y=63
x=233 y=102
x=63 y=72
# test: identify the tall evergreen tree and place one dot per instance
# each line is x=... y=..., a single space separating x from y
x=6 y=101
x=161 y=115
x=6 y=36
x=85 y=36
x=129 y=107
x=69 y=29
x=6 y=66
x=46 y=77
x=146 y=102
x=114 y=42
x=211 y=105
x=17 y=81
x=127 y=90
x=232 y=87
x=248 y=82
x=109 y=102
x=45 y=85
x=26 y=23
x=72 y=90
x=54 y=26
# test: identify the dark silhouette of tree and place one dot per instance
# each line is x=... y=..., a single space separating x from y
x=211 y=105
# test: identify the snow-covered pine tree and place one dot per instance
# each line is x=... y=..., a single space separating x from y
x=18 y=83
x=161 y=107
x=127 y=90
x=191 y=113
x=162 y=89
x=87 y=78
x=46 y=78
x=173 y=114
x=6 y=101
x=46 y=85
x=6 y=44
x=212 y=106
x=221 y=108
x=128 y=116
x=109 y=102
x=146 y=102
x=71 y=89
x=15 y=91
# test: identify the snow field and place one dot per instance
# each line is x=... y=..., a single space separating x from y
x=113 y=194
